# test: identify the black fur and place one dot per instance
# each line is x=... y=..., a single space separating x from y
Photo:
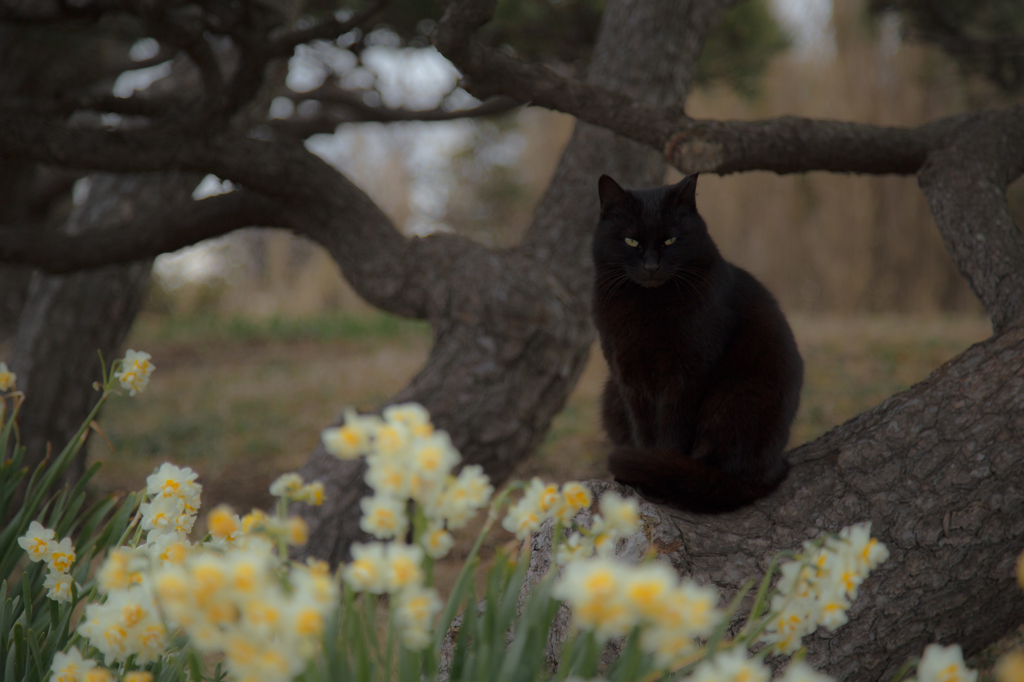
x=705 y=373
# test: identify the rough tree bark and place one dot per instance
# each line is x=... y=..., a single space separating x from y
x=72 y=316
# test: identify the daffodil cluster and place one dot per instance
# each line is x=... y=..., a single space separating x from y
x=41 y=545
x=817 y=586
x=263 y=615
x=292 y=488
x=134 y=371
x=72 y=667
x=174 y=499
x=408 y=461
x=233 y=595
x=543 y=501
x=612 y=597
x=129 y=622
x=8 y=379
x=618 y=518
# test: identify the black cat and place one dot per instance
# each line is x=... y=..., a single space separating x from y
x=705 y=373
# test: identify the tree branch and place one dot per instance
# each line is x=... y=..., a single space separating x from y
x=125 y=106
x=161 y=231
x=62 y=12
x=386 y=269
x=330 y=29
x=965 y=184
x=354 y=110
x=791 y=144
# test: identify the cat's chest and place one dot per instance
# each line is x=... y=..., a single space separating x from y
x=654 y=347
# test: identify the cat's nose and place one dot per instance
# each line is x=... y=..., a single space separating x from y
x=650 y=267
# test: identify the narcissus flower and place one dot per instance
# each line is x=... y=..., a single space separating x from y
x=62 y=556
x=593 y=589
x=286 y=485
x=39 y=542
x=415 y=611
x=646 y=589
x=70 y=667
x=620 y=514
x=311 y=493
x=115 y=573
x=297 y=531
x=437 y=542
x=135 y=370
x=8 y=379
x=412 y=416
x=1010 y=667
x=368 y=571
x=224 y=524
x=383 y=516
x=353 y=439
x=944 y=664
x=733 y=665
x=403 y=566
x=58 y=586
x=801 y=672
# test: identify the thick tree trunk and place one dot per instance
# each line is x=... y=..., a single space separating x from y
x=15 y=181
x=67 y=318
x=512 y=329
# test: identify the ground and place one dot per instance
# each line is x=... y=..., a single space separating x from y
x=242 y=402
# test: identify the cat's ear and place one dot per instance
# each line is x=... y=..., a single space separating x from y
x=612 y=195
x=684 y=193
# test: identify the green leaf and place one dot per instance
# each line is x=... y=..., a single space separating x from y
x=40 y=666
x=467 y=634
x=719 y=632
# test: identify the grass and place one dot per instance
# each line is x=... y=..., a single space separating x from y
x=210 y=328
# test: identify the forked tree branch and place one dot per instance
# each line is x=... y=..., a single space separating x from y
x=965 y=184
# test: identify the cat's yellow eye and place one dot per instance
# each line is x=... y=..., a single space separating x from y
x=632 y=242
x=670 y=242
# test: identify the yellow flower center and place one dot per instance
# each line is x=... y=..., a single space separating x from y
x=404 y=571
x=600 y=583
x=429 y=458
x=62 y=561
x=132 y=614
x=384 y=518
x=308 y=622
